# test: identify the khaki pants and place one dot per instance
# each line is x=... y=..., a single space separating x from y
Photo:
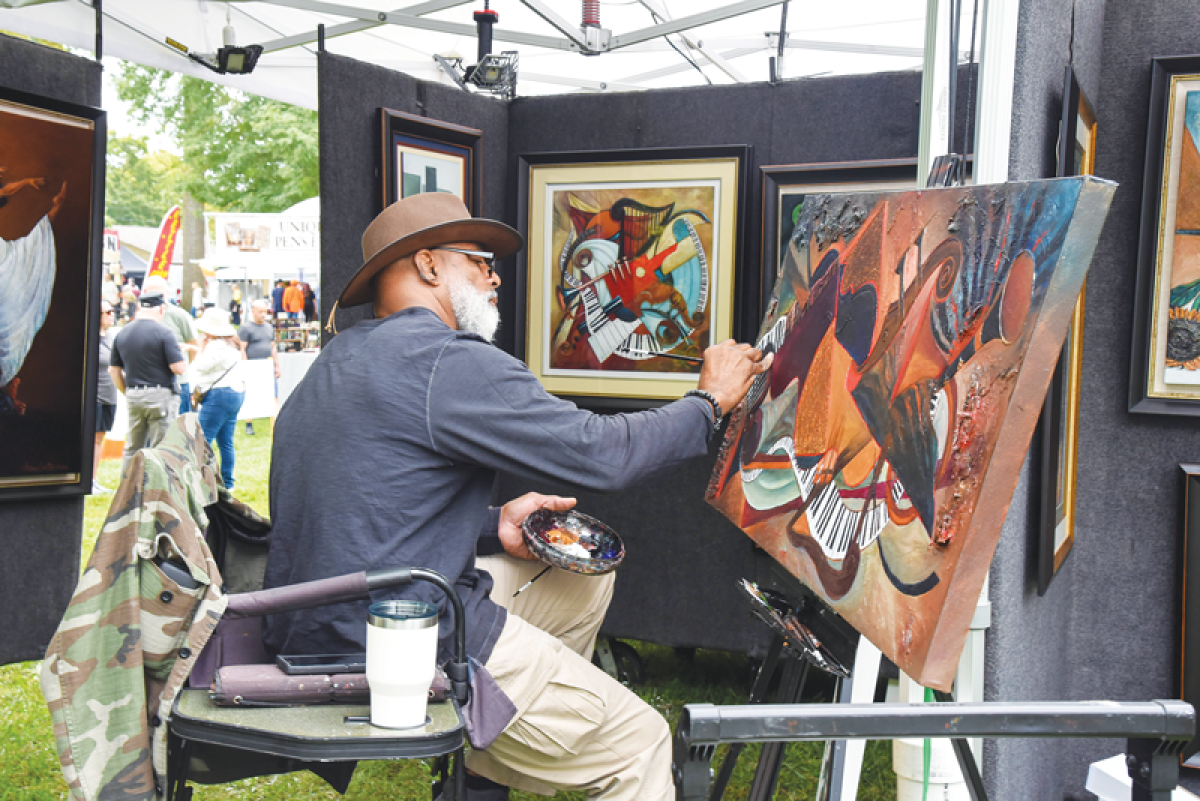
x=151 y=412
x=576 y=727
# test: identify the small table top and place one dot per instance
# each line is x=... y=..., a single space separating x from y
x=318 y=732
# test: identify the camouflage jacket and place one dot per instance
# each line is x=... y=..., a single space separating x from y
x=130 y=635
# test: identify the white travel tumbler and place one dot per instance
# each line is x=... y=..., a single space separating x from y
x=402 y=639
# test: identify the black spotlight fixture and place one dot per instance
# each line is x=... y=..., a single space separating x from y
x=492 y=73
x=229 y=59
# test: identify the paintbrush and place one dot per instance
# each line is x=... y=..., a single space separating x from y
x=525 y=586
x=662 y=355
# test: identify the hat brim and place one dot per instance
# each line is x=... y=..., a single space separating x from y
x=496 y=237
x=226 y=331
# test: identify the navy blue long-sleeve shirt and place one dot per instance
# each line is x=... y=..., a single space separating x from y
x=385 y=454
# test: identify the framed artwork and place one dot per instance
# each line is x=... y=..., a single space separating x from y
x=1165 y=374
x=1059 y=424
x=1189 y=640
x=631 y=267
x=51 y=222
x=914 y=336
x=421 y=155
x=786 y=187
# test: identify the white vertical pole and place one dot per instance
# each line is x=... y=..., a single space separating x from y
x=968 y=682
x=997 y=70
x=862 y=691
x=935 y=88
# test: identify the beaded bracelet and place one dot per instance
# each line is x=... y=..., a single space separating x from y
x=708 y=396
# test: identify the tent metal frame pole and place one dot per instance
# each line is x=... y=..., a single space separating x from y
x=333 y=31
x=99 y=6
x=691 y=21
x=409 y=21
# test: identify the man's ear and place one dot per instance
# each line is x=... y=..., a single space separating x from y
x=426 y=266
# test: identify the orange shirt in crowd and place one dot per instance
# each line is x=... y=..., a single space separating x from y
x=293 y=299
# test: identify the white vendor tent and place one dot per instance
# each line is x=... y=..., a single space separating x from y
x=265 y=247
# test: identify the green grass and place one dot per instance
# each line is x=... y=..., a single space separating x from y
x=29 y=767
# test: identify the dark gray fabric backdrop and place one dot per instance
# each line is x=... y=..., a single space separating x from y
x=40 y=539
x=1109 y=625
x=678 y=583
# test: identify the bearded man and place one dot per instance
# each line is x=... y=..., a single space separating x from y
x=385 y=455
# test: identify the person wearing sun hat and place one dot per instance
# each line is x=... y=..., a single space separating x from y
x=385 y=454
x=220 y=382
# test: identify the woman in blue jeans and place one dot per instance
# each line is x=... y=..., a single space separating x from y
x=216 y=374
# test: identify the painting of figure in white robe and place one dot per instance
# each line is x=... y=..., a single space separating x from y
x=48 y=284
x=27 y=267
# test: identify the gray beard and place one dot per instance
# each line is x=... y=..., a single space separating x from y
x=473 y=311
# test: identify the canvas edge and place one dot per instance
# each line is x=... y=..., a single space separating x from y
x=945 y=646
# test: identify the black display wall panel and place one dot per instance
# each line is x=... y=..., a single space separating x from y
x=678 y=583
x=1122 y=590
x=40 y=540
x=349 y=94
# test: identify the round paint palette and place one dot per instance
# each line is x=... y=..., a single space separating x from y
x=573 y=541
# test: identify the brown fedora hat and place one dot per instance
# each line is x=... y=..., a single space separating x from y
x=417 y=222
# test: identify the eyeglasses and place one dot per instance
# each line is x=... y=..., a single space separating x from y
x=488 y=259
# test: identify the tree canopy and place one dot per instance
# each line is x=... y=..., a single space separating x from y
x=140 y=185
x=237 y=151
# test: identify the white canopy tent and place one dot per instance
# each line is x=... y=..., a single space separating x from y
x=639 y=44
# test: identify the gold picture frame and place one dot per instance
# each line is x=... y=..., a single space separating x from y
x=630 y=267
x=1059 y=424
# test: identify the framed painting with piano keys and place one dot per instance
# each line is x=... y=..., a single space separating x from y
x=631 y=267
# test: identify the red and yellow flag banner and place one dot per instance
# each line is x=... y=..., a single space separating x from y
x=168 y=232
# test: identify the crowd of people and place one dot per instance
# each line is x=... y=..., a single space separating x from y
x=167 y=361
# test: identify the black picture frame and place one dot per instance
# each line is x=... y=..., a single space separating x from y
x=1189 y=599
x=529 y=162
x=1059 y=424
x=443 y=140
x=848 y=176
x=53 y=156
x=1146 y=396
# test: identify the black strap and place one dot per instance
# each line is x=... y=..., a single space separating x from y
x=218 y=381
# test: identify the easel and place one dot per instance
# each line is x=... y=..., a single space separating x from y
x=792 y=656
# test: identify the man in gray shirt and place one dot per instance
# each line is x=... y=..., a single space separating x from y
x=257 y=336
x=385 y=455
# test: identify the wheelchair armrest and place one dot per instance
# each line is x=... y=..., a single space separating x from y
x=308 y=594
x=357 y=587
